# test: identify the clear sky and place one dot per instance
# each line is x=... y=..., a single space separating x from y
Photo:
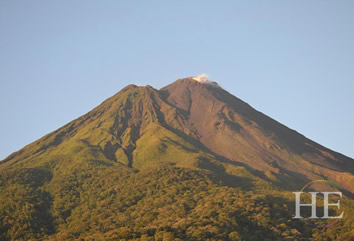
x=292 y=60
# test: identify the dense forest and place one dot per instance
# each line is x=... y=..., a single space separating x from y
x=102 y=201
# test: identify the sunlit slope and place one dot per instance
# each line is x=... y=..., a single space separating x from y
x=240 y=135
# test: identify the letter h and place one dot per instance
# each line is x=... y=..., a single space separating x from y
x=312 y=205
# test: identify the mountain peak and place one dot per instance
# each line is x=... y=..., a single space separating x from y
x=141 y=126
x=202 y=79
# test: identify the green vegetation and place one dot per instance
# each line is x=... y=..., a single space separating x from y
x=100 y=201
x=138 y=168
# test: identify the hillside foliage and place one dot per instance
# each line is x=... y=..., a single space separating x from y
x=99 y=201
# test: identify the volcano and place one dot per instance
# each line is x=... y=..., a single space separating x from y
x=187 y=162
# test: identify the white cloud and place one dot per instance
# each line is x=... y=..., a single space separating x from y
x=204 y=79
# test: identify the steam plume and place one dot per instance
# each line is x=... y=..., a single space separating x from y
x=204 y=79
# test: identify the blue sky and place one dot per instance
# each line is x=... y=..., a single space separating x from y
x=292 y=60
